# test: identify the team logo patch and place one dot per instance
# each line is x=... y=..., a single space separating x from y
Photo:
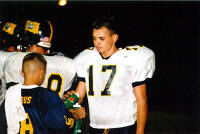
x=32 y=26
x=9 y=28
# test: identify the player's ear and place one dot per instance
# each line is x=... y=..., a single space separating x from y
x=22 y=73
x=42 y=73
x=115 y=37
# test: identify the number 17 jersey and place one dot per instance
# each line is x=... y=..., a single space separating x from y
x=110 y=83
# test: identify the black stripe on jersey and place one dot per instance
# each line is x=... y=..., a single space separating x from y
x=134 y=84
x=81 y=79
x=10 y=84
x=3 y=121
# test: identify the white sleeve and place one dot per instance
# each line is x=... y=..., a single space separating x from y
x=71 y=74
x=144 y=66
x=79 y=63
x=14 y=109
x=3 y=57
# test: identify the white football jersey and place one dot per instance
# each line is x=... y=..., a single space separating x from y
x=3 y=57
x=110 y=82
x=59 y=74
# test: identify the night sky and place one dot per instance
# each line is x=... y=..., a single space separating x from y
x=170 y=29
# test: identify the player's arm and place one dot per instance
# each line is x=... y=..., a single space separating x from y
x=142 y=107
x=81 y=90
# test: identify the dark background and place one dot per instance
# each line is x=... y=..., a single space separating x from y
x=170 y=29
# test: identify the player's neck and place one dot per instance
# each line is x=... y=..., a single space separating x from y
x=110 y=52
x=28 y=82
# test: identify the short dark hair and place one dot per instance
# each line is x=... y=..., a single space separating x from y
x=108 y=22
x=34 y=56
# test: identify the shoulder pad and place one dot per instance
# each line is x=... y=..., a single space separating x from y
x=134 y=47
x=138 y=51
x=90 y=48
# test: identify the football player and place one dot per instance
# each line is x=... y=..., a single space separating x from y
x=114 y=80
x=37 y=38
x=28 y=102
x=10 y=36
x=60 y=70
x=7 y=40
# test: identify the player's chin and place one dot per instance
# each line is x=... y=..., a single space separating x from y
x=99 y=50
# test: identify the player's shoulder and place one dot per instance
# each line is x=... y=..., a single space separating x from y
x=11 y=55
x=85 y=54
x=14 y=58
x=138 y=51
x=6 y=55
x=51 y=97
x=57 y=53
x=13 y=89
x=58 y=59
x=45 y=95
x=45 y=92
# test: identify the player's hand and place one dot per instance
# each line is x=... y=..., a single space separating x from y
x=78 y=113
x=65 y=96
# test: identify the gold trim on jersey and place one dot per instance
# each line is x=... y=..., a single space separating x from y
x=133 y=47
x=91 y=48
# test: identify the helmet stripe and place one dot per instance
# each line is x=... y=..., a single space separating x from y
x=51 y=27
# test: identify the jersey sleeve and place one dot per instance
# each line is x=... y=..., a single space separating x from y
x=71 y=73
x=4 y=56
x=79 y=62
x=143 y=65
x=57 y=117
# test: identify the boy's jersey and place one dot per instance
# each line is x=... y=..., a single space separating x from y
x=59 y=75
x=110 y=83
x=45 y=111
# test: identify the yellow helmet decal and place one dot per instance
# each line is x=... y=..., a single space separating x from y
x=9 y=28
x=32 y=26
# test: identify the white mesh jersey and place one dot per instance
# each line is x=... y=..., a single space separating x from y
x=109 y=83
x=59 y=75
